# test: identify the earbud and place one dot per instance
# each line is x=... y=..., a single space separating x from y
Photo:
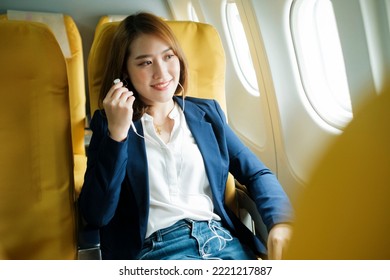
x=116 y=81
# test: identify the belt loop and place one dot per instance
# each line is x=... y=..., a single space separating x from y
x=159 y=236
x=189 y=222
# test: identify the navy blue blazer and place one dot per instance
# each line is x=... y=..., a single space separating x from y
x=115 y=194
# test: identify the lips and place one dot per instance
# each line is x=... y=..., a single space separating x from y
x=161 y=86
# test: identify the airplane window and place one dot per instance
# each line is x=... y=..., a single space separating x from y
x=242 y=56
x=320 y=60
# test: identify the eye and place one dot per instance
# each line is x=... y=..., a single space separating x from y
x=145 y=63
x=169 y=56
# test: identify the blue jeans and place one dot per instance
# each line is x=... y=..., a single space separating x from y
x=194 y=240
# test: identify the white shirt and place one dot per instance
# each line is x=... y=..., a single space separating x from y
x=178 y=184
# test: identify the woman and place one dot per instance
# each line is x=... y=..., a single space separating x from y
x=158 y=163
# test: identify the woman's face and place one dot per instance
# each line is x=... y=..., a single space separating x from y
x=154 y=69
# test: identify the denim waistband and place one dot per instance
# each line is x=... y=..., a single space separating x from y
x=160 y=234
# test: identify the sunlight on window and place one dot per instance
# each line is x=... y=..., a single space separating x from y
x=241 y=49
x=320 y=60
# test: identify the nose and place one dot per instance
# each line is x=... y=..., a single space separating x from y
x=159 y=70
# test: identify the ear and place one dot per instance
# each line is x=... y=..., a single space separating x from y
x=126 y=82
x=125 y=75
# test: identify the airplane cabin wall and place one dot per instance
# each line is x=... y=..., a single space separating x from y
x=281 y=125
x=301 y=135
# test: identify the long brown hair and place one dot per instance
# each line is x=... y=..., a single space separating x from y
x=127 y=31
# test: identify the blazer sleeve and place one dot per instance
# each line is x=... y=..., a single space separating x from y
x=271 y=200
x=106 y=169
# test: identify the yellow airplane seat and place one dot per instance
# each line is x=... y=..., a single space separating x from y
x=206 y=61
x=69 y=39
x=37 y=218
x=3 y=256
x=344 y=213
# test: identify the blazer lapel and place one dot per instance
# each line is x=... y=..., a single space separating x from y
x=137 y=169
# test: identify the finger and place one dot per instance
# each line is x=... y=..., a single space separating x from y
x=130 y=101
x=122 y=96
x=126 y=100
x=270 y=250
x=118 y=93
x=277 y=251
x=114 y=87
x=126 y=95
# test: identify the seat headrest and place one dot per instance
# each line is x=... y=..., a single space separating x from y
x=55 y=21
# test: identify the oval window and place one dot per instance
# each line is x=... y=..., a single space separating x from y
x=242 y=56
x=320 y=60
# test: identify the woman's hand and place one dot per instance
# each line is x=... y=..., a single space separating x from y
x=118 y=106
x=278 y=240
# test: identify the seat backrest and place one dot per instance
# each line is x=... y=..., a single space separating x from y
x=69 y=39
x=206 y=60
x=344 y=211
x=36 y=179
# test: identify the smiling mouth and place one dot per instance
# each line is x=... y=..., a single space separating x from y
x=161 y=86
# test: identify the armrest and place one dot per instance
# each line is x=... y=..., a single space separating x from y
x=87 y=249
x=88 y=240
x=87 y=137
x=249 y=214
